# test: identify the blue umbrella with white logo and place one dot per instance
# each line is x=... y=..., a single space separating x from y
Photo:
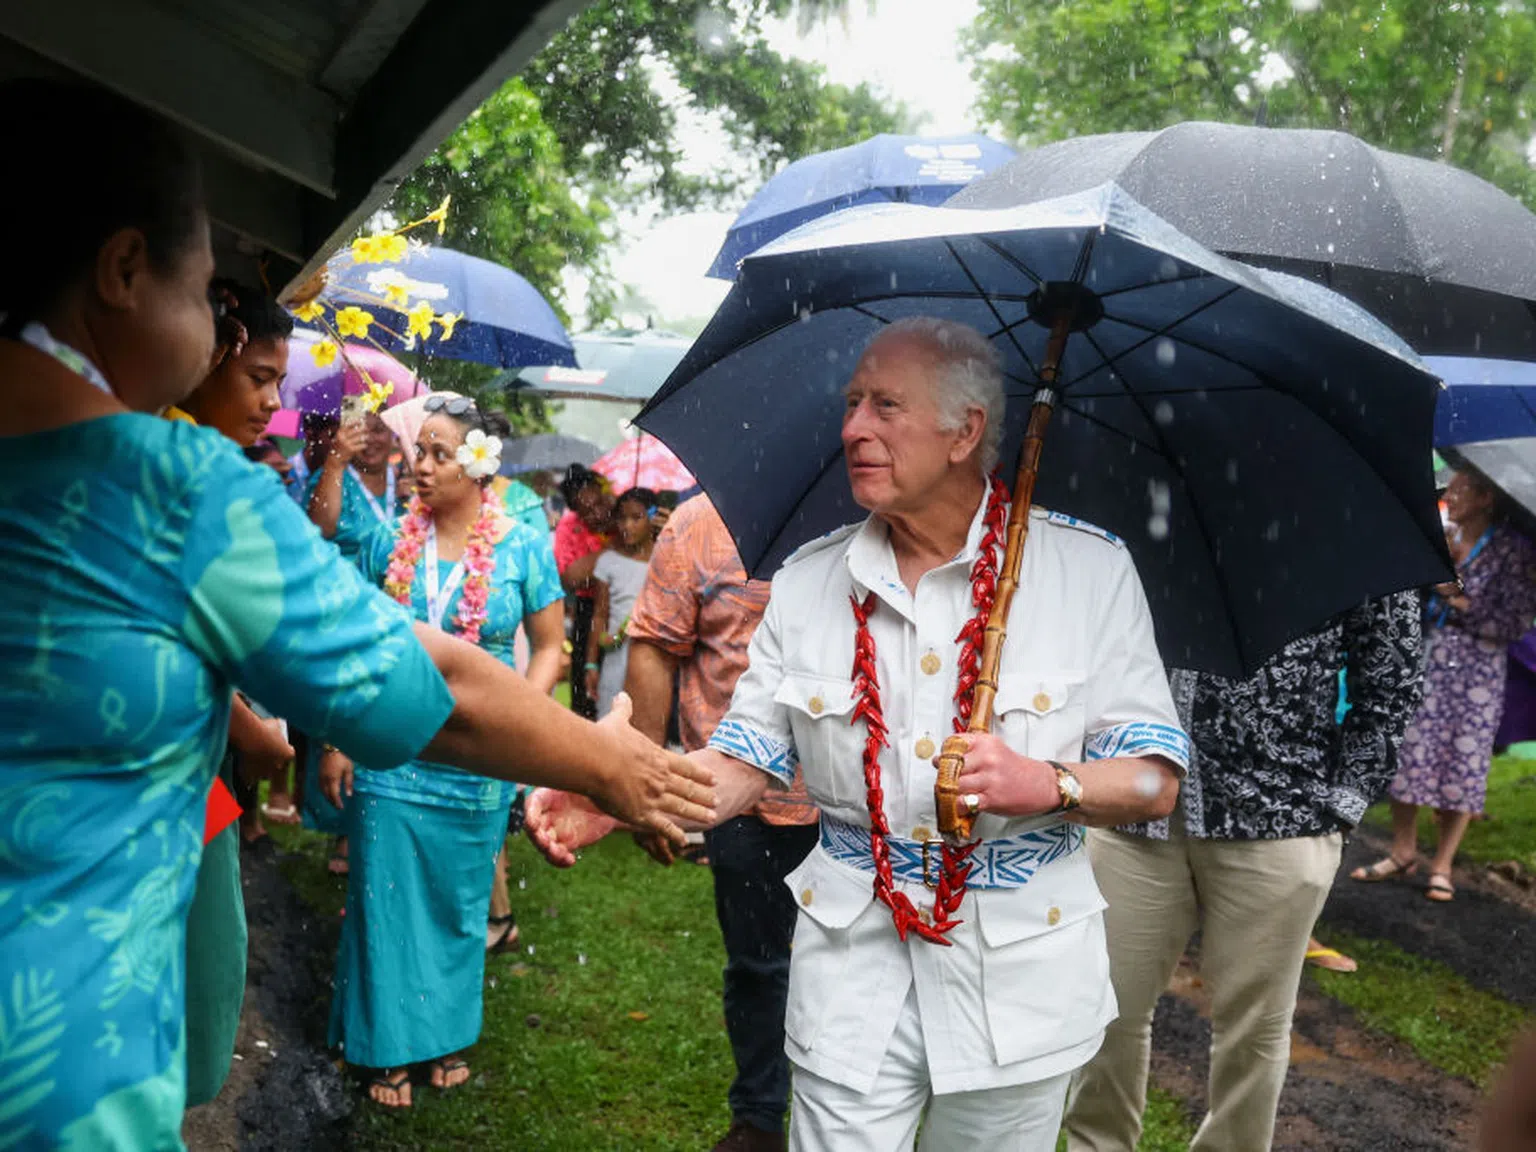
x=910 y=169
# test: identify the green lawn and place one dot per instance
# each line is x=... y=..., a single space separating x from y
x=1509 y=833
x=1450 y=1024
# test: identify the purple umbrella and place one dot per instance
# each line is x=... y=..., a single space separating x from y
x=318 y=389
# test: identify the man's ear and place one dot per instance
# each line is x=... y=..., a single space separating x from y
x=121 y=267
x=969 y=436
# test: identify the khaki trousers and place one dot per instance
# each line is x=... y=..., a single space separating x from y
x=1255 y=902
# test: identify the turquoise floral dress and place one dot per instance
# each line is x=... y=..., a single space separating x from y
x=423 y=842
x=149 y=569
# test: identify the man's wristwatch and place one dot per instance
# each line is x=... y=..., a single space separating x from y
x=1070 y=787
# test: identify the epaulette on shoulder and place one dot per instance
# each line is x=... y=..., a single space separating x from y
x=821 y=544
x=1082 y=526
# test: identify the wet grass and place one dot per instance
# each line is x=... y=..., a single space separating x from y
x=1509 y=832
x=1461 y=1030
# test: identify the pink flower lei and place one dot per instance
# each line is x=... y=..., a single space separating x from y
x=479 y=561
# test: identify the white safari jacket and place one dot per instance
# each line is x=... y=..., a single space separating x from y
x=1023 y=994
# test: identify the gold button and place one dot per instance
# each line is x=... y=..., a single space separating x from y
x=924 y=749
x=922 y=832
x=925 y=916
x=806 y=896
x=1053 y=917
x=816 y=706
x=931 y=664
x=1042 y=702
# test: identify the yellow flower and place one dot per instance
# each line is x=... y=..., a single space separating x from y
x=438 y=215
x=419 y=320
x=391 y=248
x=310 y=312
x=353 y=321
x=449 y=321
x=325 y=353
x=365 y=249
x=377 y=393
x=396 y=296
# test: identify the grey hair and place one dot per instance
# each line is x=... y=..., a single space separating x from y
x=970 y=376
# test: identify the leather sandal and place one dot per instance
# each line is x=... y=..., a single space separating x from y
x=1389 y=867
x=1440 y=889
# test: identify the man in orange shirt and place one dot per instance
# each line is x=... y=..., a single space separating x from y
x=690 y=629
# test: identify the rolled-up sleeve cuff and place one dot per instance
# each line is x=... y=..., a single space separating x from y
x=1347 y=804
x=757 y=748
x=1140 y=738
x=413 y=704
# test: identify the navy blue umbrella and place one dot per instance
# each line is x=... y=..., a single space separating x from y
x=1483 y=400
x=915 y=169
x=506 y=321
x=1261 y=444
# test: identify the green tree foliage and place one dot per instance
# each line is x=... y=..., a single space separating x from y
x=534 y=170
x=1440 y=80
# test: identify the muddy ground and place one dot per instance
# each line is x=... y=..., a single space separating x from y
x=1349 y=1090
x=283 y=1093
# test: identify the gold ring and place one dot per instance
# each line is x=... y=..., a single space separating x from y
x=972 y=803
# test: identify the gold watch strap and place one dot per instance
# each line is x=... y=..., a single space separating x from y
x=1069 y=800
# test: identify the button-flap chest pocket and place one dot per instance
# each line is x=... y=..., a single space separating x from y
x=826 y=739
x=1042 y=714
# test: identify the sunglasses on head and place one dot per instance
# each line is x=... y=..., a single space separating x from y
x=453 y=405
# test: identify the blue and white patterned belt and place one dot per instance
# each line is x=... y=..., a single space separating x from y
x=1006 y=863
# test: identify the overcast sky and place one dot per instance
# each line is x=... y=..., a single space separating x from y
x=908 y=48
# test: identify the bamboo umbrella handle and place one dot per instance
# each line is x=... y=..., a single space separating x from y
x=955 y=821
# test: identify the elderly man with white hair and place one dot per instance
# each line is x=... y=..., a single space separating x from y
x=923 y=978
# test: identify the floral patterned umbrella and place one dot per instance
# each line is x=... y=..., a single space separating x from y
x=645 y=462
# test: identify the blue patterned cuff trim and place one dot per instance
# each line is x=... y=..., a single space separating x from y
x=754 y=747
x=1140 y=738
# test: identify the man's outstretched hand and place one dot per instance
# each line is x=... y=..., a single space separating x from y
x=560 y=824
x=648 y=788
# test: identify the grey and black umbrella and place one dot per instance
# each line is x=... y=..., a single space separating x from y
x=550 y=452
x=1442 y=257
x=1262 y=445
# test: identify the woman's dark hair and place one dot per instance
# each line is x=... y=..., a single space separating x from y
x=577 y=480
x=135 y=172
x=642 y=496
x=262 y=317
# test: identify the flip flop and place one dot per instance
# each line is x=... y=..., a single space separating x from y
x=448 y=1066
x=1319 y=957
x=507 y=941
x=287 y=814
x=394 y=1084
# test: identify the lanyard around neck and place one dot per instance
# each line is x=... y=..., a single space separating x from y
x=437 y=601
x=382 y=511
x=42 y=339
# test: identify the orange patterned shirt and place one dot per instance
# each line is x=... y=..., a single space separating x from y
x=698 y=605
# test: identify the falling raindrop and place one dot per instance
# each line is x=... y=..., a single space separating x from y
x=581 y=958
x=1163 y=413
x=1167 y=352
x=1157 y=526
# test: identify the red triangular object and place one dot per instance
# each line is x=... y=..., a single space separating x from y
x=223 y=810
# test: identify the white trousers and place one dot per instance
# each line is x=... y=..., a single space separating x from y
x=828 y=1117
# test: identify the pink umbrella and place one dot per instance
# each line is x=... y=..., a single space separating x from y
x=405 y=419
x=645 y=462
x=316 y=388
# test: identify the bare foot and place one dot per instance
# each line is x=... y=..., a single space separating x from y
x=449 y=1072
x=391 y=1088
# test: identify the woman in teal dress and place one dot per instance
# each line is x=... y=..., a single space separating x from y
x=425 y=837
x=149 y=571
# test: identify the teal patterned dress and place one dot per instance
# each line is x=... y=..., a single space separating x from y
x=149 y=569
x=362 y=514
x=423 y=842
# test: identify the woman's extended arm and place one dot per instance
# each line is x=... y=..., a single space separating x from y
x=502 y=726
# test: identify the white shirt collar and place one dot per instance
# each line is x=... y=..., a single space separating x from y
x=872 y=561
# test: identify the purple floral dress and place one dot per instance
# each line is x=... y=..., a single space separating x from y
x=1445 y=753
